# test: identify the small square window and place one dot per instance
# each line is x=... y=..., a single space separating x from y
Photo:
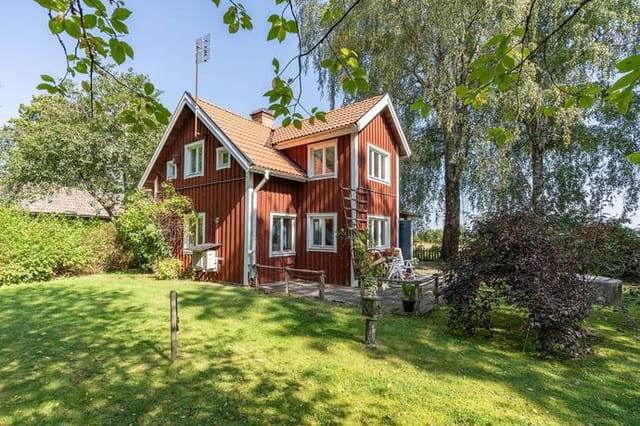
x=379 y=165
x=194 y=159
x=172 y=170
x=322 y=160
x=321 y=235
x=283 y=228
x=223 y=158
x=380 y=231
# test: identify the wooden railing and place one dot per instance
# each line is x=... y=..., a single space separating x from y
x=287 y=272
x=426 y=254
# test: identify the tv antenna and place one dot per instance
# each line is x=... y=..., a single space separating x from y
x=202 y=55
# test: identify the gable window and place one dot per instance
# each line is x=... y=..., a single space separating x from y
x=223 y=159
x=322 y=160
x=194 y=159
x=380 y=231
x=321 y=232
x=379 y=165
x=172 y=170
x=194 y=231
x=283 y=228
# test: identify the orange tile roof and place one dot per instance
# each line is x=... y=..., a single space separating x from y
x=252 y=138
x=336 y=119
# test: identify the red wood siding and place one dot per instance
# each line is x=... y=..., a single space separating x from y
x=383 y=198
x=219 y=193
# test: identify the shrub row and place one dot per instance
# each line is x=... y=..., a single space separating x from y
x=37 y=248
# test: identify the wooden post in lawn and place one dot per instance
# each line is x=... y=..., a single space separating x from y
x=321 y=289
x=173 y=297
x=286 y=280
x=436 y=288
x=416 y=308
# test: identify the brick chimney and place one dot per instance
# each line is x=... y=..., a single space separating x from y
x=263 y=116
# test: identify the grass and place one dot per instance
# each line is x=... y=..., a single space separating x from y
x=94 y=350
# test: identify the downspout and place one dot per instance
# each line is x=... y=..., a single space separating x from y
x=254 y=217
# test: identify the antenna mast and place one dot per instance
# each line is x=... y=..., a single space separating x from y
x=202 y=55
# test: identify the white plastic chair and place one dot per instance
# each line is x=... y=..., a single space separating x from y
x=399 y=268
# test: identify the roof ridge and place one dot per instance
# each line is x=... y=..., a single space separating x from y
x=231 y=112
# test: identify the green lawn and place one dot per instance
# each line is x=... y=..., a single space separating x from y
x=94 y=350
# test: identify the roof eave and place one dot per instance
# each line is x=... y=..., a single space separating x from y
x=317 y=137
x=380 y=106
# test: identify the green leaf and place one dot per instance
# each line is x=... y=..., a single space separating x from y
x=149 y=89
x=58 y=6
x=48 y=78
x=273 y=33
x=571 y=100
x=86 y=86
x=117 y=51
x=81 y=67
x=286 y=122
x=72 y=28
x=633 y=158
x=629 y=64
x=626 y=80
x=297 y=123
x=585 y=101
x=292 y=26
x=96 y=4
x=120 y=27
x=89 y=21
x=326 y=63
x=276 y=65
x=120 y=14
x=48 y=87
x=462 y=91
x=56 y=24
x=518 y=32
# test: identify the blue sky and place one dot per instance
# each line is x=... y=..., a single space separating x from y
x=162 y=34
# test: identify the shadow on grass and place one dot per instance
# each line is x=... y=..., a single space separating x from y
x=86 y=355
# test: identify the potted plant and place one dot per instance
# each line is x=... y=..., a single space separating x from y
x=408 y=297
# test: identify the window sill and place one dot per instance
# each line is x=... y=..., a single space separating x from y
x=320 y=177
x=282 y=254
x=322 y=249
x=228 y=166
x=194 y=175
x=384 y=182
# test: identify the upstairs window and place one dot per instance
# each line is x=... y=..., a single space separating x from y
x=172 y=170
x=380 y=231
x=223 y=159
x=322 y=160
x=379 y=165
x=194 y=159
x=194 y=231
x=321 y=232
x=283 y=226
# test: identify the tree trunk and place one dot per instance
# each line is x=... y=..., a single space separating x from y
x=451 y=232
x=537 y=135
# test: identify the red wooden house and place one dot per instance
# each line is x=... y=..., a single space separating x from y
x=274 y=195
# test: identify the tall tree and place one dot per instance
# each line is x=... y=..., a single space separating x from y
x=421 y=50
x=61 y=141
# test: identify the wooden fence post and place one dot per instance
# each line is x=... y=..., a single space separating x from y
x=173 y=304
x=286 y=280
x=417 y=295
x=436 y=288
x=321 y=286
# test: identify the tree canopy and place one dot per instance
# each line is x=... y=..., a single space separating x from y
x=58 y=141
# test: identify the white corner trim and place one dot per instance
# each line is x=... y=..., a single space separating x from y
x=398 y=202
x=249 y=230
x=384 y=102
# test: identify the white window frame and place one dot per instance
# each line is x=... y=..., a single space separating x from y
x=171 y=165
x=322 y=247
x=385 y=163
x=219 y=156
x=187 y=159
x=186 y=237
x=381 y=224
x=333 y=143
x=280 y=216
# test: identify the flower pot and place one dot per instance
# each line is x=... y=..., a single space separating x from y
x=409 y=305
x=371 y=306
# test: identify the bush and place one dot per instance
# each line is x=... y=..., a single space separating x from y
x=37 y=248
x=147 y=230
x=167 y=269
x=525 y=261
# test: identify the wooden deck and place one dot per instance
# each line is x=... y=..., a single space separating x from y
x=391 y=295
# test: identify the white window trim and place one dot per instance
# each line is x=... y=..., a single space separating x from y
x=279 y=215
x=387 y=231
x=174 y=166
x=322 y=145
x=187 y=248
x=322 y=248
x=220 y=166
x=187 y=159
x=387 y=164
